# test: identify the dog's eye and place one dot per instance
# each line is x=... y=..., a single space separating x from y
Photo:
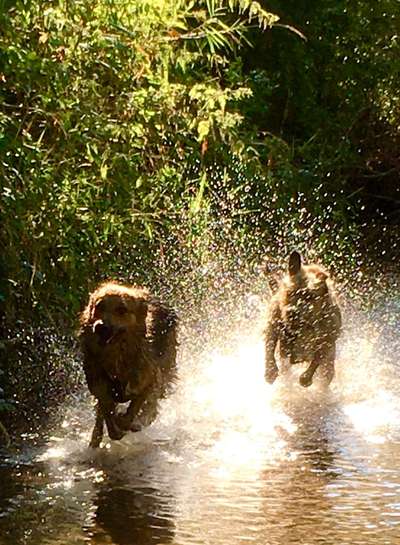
x=121 y=310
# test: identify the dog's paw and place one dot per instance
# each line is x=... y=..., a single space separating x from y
x=136 y=426
x=94 y=442
x=305 y=379
x=271 y=374
x=124 y=423
x=116 y=434
x=114 y=429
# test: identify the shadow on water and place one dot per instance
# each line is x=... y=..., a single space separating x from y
x=230 y=459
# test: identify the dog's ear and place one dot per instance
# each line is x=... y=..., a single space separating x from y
x=87 y=314
x=294 y=263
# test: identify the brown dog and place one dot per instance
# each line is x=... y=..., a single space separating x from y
x=304 y=322
x=128 y=340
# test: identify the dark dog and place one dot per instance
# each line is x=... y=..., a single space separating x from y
x=304 y=322
x=128 y=340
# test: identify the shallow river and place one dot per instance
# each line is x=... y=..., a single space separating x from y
x=230 y=460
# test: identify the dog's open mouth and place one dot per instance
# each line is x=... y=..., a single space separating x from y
x=107 y=334
x=115 y=336
x=108 y=340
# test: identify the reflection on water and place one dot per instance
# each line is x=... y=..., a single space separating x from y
x=129 y=516
x=230 y=460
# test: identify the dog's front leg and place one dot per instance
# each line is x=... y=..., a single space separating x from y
x=115 y=431
x=271 y=335
x=102 y=390
x=97 y=433
x=306 y=378
x=327 y=365
x=325 y=358
x=126 y=421
x=107 y=416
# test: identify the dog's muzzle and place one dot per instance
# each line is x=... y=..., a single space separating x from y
x=103 y=331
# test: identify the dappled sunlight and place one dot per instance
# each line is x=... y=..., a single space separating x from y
x=375 y=418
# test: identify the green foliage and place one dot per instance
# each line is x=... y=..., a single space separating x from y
x=103 y=107
x=111 y=112
x=6 y=405
x=334 y=96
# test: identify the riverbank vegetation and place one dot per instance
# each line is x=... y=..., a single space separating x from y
x=142 y=139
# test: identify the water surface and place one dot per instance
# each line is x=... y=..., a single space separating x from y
x=230 y=460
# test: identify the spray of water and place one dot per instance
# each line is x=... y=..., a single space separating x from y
x=224 y=433
x=222 y=406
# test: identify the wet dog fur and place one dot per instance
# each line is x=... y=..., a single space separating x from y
x=303 y=324
x=128 y=341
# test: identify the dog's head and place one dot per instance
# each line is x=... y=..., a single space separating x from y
x=115 y=309
x=306 y=287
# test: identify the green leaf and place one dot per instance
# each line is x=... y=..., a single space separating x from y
x=203 y=129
